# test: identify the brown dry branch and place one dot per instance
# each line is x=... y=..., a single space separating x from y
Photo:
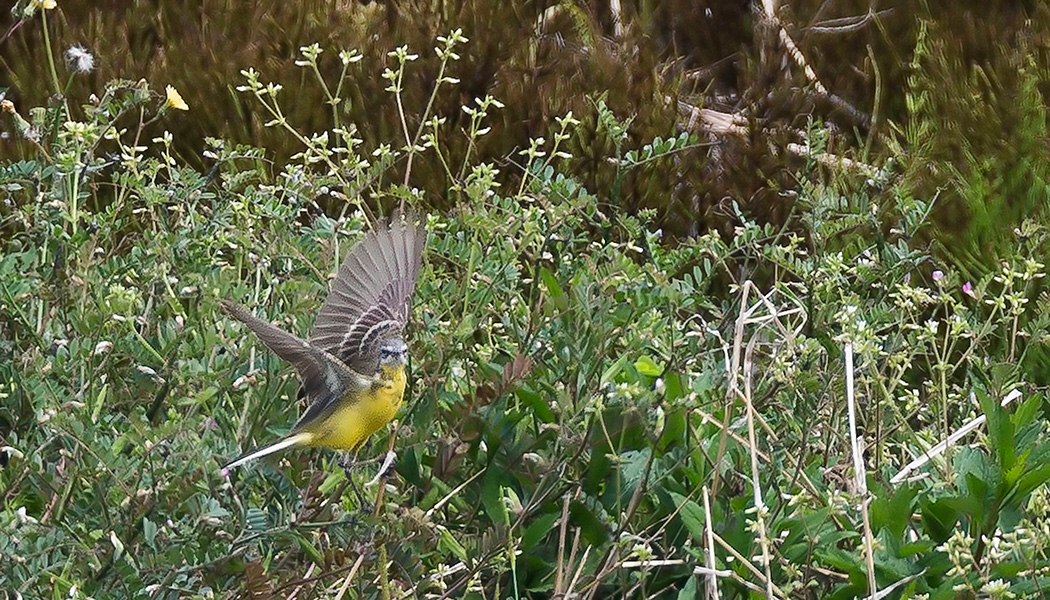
x=722 y=123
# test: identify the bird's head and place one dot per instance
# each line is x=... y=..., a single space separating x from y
x=393 y=353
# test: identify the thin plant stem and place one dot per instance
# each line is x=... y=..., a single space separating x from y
x=50 y=53
x=426 y=113
x=384 y=573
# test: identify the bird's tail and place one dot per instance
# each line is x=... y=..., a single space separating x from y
x=298 y=439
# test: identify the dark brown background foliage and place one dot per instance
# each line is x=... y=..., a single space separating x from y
x=543 y=58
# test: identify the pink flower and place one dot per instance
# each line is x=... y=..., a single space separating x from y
x=937 y=275
x=967 y=289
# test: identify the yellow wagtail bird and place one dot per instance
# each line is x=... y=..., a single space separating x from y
x=353 y=366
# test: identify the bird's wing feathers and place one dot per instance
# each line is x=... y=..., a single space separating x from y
x=371 y=295
x=322 y=375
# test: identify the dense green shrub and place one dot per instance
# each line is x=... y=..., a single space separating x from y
x=591 y=406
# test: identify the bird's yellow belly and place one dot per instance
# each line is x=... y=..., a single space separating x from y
x=352 y=423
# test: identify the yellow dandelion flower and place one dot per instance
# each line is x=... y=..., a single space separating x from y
x=174 y=100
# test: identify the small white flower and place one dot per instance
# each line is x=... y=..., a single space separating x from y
x=997 y=588
x=80 y=60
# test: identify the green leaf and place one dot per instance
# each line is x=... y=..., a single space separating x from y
x=674 y=430
x=690 y=590
x=844 y=561
x=537 y=403
x=100 y=401
x=974 y=466
x=593 y=529
x=1027 y=411
x=632 y=464
x=205 y=395
x=917 y=548
x=492 y=497
x=408 y=466
x=609 y=375
x=892 y=511
x=257 y=520
x=672 y=386
x=692 y=516
x=307 y=547
x=149 y=531
x=1028 y=482
x=939 y=519
x=334 y=479
x=648 y=367
x=448 y=543
x=555 y=291
x=1013 y=475
x=1000 y=431
x=538 y=531
x=832 y=539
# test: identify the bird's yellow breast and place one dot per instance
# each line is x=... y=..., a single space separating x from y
x=354 y=420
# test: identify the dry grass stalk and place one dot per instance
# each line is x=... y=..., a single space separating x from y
x=951 y=439
x=305 y=577
x=771 y=319
x=778 y=593
x=350 y=577
x=560 y=572
x=769 y=10
x=459 y=488
x=709 y=545
x=720 y=123
x=756 y=484
x=859 y=472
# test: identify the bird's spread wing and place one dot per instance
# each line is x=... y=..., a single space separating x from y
x=323 y=376
x=372 y=294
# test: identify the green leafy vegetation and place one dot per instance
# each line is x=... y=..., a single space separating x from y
x=594 y=410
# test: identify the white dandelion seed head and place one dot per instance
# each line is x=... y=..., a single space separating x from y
x=79 y=59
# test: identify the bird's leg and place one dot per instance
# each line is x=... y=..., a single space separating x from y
x=347 y=460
